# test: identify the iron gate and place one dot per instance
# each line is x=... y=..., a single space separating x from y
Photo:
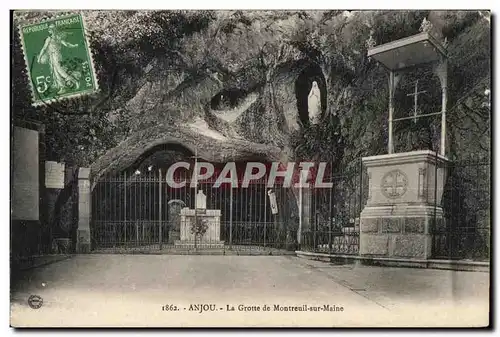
x=138 y=212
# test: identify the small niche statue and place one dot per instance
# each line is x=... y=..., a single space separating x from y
x=314 y=103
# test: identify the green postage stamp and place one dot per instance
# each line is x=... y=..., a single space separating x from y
x=58 y=59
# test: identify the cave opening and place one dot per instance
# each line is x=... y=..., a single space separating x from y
x=303 y=84
x=160 y=157
x=129 y=208
x=228 y=99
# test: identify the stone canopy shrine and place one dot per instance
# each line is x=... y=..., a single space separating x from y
x=405 y=188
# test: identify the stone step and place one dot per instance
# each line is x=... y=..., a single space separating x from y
x=202 y=244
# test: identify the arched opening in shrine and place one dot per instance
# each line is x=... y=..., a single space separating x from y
x=303 y=84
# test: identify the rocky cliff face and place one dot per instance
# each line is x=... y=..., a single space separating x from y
x=231 y=85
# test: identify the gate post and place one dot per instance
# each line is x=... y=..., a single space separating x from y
x=231 y=216
x=160 y=232
x=83 y=232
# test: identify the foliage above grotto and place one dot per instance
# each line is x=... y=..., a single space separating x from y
x=231 y=76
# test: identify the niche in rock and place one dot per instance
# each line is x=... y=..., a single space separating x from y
x=228 y=99
x=303 y=85
x=160 y=157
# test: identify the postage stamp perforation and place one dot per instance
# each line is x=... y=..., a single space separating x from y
x=60 y=99
x=91 y=53
x=46 y=17
x=26 y=70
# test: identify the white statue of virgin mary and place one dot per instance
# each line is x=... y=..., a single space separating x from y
x=314 y=103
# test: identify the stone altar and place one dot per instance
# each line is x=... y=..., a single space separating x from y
x=211 y=238
x=404 y=199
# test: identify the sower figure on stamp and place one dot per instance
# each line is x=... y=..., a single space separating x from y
x=51 y=53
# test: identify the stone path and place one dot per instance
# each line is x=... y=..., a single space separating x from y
x=137 y=290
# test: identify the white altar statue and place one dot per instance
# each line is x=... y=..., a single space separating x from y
x=201 y=200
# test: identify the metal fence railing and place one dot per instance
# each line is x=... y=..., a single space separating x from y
x=465 y=231
x=335 y=211
x=139 y=211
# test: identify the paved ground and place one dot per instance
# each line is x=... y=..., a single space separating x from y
x=130 y=290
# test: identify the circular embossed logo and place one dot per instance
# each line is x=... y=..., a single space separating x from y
x=394 y=184
x=35 y=302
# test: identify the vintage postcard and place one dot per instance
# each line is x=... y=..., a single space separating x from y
x=244 y=168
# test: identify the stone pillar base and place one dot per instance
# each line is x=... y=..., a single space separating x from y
x=190 y=244
x=398 y=231
x=83 y=242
